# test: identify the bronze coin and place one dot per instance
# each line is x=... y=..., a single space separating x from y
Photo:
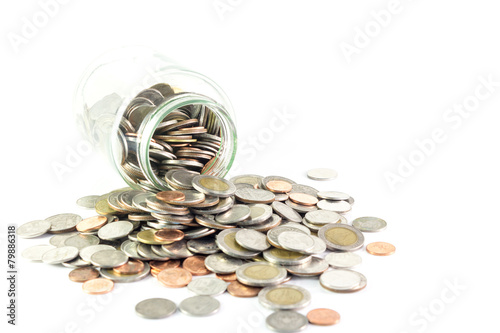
x=174 y=277
x=169 y=235
x=91 y=223
x=226 y=277
x=98 y=286
x=169 y=196
x=303 y=199
x=133 y=266
x=161 y=265
x=83 y=274
x=238 y=289
x=380 y=249
x=279 y=186
x=196 y=265
x=323 y=317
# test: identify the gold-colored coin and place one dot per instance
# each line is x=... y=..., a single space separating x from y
x=261 y=272
x=341 y=236
x=230 y=240
x=285 y=254
x=214 y=184
x=103 y=208
x=148 y=237
x=285 y=296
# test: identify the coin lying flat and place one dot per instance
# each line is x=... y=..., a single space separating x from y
x=199 y=306
x=342 y=280
x=155 y=308
x=222 y=263
x=81 y=241
x=273 y=234
x=88 y=201
x=341 y=237
x=208 y=286
x=260 y=274
x=286 y=321
x=215 y=186
x=284 y=297
x=235 y=214
x=60 y=255
x=58 y=240
x=322 y=217
x=296 y=241
x=196 y=265
x=174 y=277
x=252 y=180
x=98 y=286
x=322 y=174
x=86 y=253
x=237 y=289
x=226 y=240
x=252 y=195
x=92 y=223
x=83 y=274
x=334 y=206
x=36 y=252
x=343 y=259
x=115 y=230
x=278 y=186
x=252 y=240
x=369 y=224
x=113 y=275
x=205 y=245
x=380 y=249
x=33 y=229
x=63 y=222
x=285 y=257
x=315 y=266
x=323 y=317
x=108 y=258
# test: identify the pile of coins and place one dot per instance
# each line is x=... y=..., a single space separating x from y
x=188 y=137
x=253 y=232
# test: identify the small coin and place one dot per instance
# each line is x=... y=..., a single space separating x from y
x=226 y=277
x=76 y=263
x=342 y=280
x=195 y=265
x=238 y=289
x=273 y=234
x=36 y=252
x=33 y=229
x=171 y=196
x=169 y=235
x=226 y=240
x=315 y=266
x=300 y=208
x=279 y=186
x=222 y=263
x=252 y=180
x=322 y=174
x=296 y=241
x=86 y=253
x=174 y=277
x=341 y=237
x=296 y=226
x=285 y=257
x=108 y=258
x=252 y=195
x=208 y=286
x=343 y=259
x=260 y=274
x=204 y=245
x=235 y=214
x=334 y=206
x=323 y=317
x=83 y=274
x=322 y=217
x=98 y=286
x=303 y=199
x=58 y=240
x=88 y=201
x=60 y=255
x=215 y=186
x=299 y=188
x=63 y=222
x=92 y=223
x=333 y=195
x=286 y=212
x=155 y=308
x=369 y=224
x=252 y=240
x=284 y=297
x=115 y=230
x=111 y=274
x=161 y=265
x=286 y=321
x=191 y=198
x=258 y=214
x=132 y=266
x=199 y=306
x=380 y=249
x=81 y=241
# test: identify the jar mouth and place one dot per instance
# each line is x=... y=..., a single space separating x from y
x=217 y=166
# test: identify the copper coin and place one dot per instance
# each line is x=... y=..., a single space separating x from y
x=175 y=277
x=98 y=286
x=133 y=266
x=226 y=277
x=380 y=249
x=169 y=196
x=279 y=186
x=169 y=235
x=196 y=265
x=161 y=265
x=323 y=317
x=238 y=289
x=83 y=274
x=91 y=223
x=303 y=199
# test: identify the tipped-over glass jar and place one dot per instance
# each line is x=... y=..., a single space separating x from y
x=149 y=116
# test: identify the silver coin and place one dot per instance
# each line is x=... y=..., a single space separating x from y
x=109 y=273
x=177 y=249
x=273 y=234
x=199 y=306
x=322 y=174
x=207 y=286
x=369 y=224
x=155 y=308
x=75 y=263
x=182 y=179
x=261 y=274
x=342 y=280
x=81 y=241
x=314 y=267
x=333 y=195
x=209 y=221
x=215 y=186
x=252 y=195
x=334 y=206
x=36 y=252
x=286 y=212
x=205 y=245
x=285 y=257
x=350 y=239
x=259 y=213
x=146 y=252
x=109 y=258
x=296 y=241
x=33 y=229
x=129 y=247
x=60 y=255
x=195 y=233
x=299 y=188
x=343 y=259
x=252 y=180
x=226 y=240
x=322 y=217
x=286 y=321
x=87 y=252
x=311 y=226
x=297 y=297
x=223 y=205
x=300 y=208
x=115 y=230
x=235 y=214
x=191 y=197
x=318 y=248
x=243 y=185
x=58 y=240
x=280 y=197
x=222 y=263
x=63 y=222
x=88 y=201
x=272 y=222
x=297 y=226
x=252 y=240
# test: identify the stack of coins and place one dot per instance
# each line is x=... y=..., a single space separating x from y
x=253 y=232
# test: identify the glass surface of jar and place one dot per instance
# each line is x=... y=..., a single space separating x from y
x=149 y=115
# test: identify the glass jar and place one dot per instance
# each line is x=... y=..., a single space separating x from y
x=149 y=115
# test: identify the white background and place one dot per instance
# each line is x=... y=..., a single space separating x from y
x=358 y=114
